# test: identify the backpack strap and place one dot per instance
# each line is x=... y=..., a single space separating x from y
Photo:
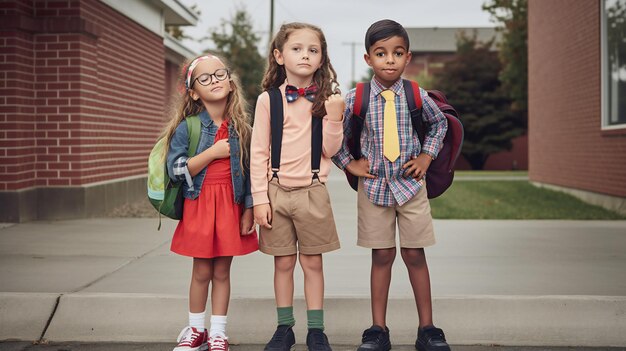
x=414 y=100
x=361 y=104
x=276 y=125
x=193 y=130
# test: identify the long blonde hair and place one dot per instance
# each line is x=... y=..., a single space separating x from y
x=325 y=77
x=236 y=107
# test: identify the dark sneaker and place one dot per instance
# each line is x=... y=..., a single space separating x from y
x=431 y=339
x=316 y=340
x=282 y=340
x=375 y=339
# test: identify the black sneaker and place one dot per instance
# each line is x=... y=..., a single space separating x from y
x=282 y=340
x=375 y=339
x=431 y=339
x=316 y=340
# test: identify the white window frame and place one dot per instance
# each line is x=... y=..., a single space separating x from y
x=603 y=72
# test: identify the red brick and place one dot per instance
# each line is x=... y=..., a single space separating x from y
x=57 y=118
x=58 y=62
x=47 y=38
x=46 y=94
x=58 y=166
x=57 y=4
x=566 y=144
x=59 y=182
x=48 y=174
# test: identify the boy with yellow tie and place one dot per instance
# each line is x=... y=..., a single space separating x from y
x=391 y=183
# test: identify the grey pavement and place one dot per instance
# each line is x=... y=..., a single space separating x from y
x=25 y=346
x=528 y=283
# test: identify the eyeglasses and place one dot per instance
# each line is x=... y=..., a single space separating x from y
x=207 y=78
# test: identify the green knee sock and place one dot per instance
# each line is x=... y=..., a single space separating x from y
x=285 y=316
x=315 y=319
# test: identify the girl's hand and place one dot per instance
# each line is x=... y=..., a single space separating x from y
x=360 y=168
x=221 y=149
x=334 y=107
x=263 y=215
x=417 y=166
x=247 y=222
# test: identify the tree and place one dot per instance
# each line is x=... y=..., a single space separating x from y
x=237 y=43
x=512 y=16
x=471 y=84
x=365 y=78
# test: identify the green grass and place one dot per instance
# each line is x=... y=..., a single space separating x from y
x=512 y=200
x=490 y=173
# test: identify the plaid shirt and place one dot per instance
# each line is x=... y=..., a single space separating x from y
x=390 y=187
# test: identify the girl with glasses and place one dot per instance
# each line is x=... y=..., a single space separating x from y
x=217 y=221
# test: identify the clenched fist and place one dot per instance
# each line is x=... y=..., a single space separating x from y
x=221 y=149
x=335 y=106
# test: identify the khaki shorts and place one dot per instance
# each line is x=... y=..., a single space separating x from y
x=302 y=220
x=377 y=224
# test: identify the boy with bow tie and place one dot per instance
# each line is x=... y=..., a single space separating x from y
x=297 y=128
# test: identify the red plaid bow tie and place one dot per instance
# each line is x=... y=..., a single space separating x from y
x=292 y=93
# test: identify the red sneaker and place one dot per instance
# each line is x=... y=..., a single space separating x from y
x=218 y=343
x=192 y=339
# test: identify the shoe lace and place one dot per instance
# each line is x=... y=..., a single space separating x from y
x=371 y=335
x=278 y=336
x=187 y=334
x=218 y=343
x=435 y=335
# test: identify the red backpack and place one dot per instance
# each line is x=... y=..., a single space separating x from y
x=441 y=171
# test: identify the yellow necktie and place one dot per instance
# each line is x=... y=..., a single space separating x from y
x=391 y=145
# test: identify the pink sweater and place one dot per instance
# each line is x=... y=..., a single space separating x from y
x=295 y=158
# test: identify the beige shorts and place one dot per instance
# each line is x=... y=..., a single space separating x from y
x=302 y=220
x=377 y=224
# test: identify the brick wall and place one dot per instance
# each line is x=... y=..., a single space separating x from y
x=566 y=144
x=82 y=94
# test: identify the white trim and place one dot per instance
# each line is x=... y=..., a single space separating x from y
x=175 y=48
x=154 y=15
x=177 y=13
x=609 y=202
x=604 y=100
x=603 y=69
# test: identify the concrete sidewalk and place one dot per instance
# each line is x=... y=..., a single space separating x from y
x=494 y=282
x=108 y=346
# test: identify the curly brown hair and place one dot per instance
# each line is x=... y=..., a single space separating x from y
x=325 y=77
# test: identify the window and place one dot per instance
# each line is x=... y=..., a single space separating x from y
x=613 y=64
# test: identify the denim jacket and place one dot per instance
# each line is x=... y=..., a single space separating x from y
x=177 y=160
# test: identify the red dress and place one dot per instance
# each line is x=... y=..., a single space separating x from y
x=210 y=224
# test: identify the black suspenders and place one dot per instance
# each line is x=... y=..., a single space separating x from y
x=276 y=123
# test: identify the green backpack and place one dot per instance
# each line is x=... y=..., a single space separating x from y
x=165 y=195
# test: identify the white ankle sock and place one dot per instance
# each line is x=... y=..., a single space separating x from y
x=218 y=326
x=196 y=320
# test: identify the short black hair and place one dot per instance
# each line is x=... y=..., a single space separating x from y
x=385 y=29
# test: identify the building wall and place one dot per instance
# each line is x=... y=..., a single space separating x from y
x=566 y=144
x=515 y=159
x=429 y=63
x=82 y=100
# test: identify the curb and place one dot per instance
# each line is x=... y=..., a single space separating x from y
x=467 y=320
